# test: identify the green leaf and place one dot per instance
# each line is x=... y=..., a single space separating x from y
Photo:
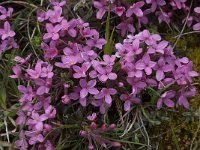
x=109 y=38
x=2 y=96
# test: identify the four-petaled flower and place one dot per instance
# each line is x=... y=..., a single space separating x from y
x=6 y=32
x=87 y=87
x=166 y=99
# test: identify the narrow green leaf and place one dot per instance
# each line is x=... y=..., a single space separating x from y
x=109 y=38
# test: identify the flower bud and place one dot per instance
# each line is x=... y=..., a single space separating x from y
x=115 y=144
x=83 y=133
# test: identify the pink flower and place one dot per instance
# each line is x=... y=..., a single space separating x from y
x=4 y=13
x=35 y=74
x=34 y=137
x=69 y=27
x=54 y=16
x=81 y=71
x=126 y=25
x=50 y=50
x=52 y=32
x=102 y=8
x=166 y=99
x=119 y=10
x=161 y=67
x=182 y=101
x=28 y=93
x=106 y=94
x=17 y=72
x=6 y=32
x=96 y=41
x=36 y=121
x=129 y=100
x=146 y=64
x=87 y=87
x=135 y=9
x=22 y=143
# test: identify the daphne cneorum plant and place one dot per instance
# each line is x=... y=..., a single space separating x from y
x=74 y=70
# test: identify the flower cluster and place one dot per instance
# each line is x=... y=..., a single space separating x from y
x=36 y=110
x=94 y=134
x=73 y=68
x=6 y=34
x=149 y=63
x=163 y=10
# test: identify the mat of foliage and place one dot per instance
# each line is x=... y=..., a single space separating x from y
x=100 y=74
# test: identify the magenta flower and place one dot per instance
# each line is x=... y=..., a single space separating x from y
x=158 y=47
x=21 y=119
x=96 y=41
x=41 y=16
x=106 y=73
x=155 y=4
x=92 y=117
x=50 y=112
x=4 y=13
x=129 y=100
x=184 y=74
x=69 y=27
x=35 y=74
x=87 y=87
x=34 y=137
x=44 y=86
x=148 y=38
x=102 y=8
x=60 y=4
x=87 y=32
x=22 y=143
x=17 y=72
x=182 y=101
x=126 y=25
x=133 y=48
x=36 y=121
x=108 y=60
x=197 y=25
x=145 y=64
x=119 y=10
x=106 y=94
x=166 y=99
x=65 y=99
x=133 y=71
x=50 y=50
x=76 y=95
x=161 y=67
x=52 y=32
x=43 y=102
x=54 y=16
x=163 y=16
x=135 y=9
x=137 y=84
x=6 y=32
x=46 y=72
x=28 y=93
x=81 y=71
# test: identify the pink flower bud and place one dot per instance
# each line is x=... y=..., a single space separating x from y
x=112 y=126
x=104 y=128
x=115 y=144
x=65 y=99
x=120 y=84
x=83 y=133
x=93 y=125
x=90 y=147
